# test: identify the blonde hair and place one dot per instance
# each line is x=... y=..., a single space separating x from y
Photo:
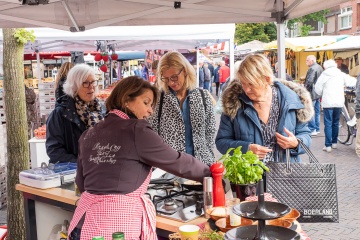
x=178 y=61
x=63 y=72
x=254 y=70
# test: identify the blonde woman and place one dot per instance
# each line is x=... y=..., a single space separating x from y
x=61 y=78
x=263 y=115
x=184 y=116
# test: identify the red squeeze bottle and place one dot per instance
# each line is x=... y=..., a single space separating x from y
x=217 y=170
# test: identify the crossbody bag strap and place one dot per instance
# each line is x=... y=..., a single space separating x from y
x=160 y=109
x=203 y=97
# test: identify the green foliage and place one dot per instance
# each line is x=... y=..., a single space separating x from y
x=304 y=28
x=23 y=36
x=246 y=32
x=242 y=168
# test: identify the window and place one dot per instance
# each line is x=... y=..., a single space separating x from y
x=345 y=18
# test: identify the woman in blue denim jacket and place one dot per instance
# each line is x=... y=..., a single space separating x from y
x=263 y=115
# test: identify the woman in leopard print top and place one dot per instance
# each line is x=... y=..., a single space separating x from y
x=186 y=119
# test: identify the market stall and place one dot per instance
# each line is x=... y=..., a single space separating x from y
x=349 y=50
x=296 y=54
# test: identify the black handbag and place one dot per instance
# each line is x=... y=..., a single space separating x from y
x=308 y=187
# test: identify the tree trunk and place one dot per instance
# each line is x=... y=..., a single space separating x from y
x=16 y=130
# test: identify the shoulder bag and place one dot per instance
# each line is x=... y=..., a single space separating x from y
x=308 y=187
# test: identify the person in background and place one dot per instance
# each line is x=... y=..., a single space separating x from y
x=312 y=75
x=212 y=69
x=138 y=71
x=154 y=66
x=263 y=115
x=216 y=78
x=145 y=72
x=341 y=65
x=219 y=107
x=330 y=85
x=125 y=158
x=76 y=111
x=207 y=77
x=224 y=73
x=184 y=116
x=357 y=112
x=61 y=78
x=30 y=110
x=288 y=77
x=114 y=70
x=201 y=75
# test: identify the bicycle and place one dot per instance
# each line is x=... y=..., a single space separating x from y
x=347 y=125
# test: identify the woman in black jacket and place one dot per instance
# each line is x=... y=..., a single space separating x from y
x=76 y=111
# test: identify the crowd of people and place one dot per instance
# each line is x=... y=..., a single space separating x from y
x=170 y=124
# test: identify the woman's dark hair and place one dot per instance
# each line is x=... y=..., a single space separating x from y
x=127 y=90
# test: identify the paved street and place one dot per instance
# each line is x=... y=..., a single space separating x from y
x=348 y=183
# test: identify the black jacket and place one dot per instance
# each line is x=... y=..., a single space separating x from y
x=59 y=92
x=63 y=130
x=312 y=76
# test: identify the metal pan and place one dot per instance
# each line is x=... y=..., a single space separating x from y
x=179 y=182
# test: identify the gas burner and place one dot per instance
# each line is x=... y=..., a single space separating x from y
x=169 y=204
x=176 y=203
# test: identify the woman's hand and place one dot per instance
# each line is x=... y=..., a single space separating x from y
x=259 y=150
x=287 y=142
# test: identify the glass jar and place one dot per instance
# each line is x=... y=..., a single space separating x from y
x=231 y=218
x=118 y=236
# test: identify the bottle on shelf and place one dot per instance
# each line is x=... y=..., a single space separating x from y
x=118 y=236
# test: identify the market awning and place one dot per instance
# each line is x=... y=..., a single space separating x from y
x=301 y=43
x=348 y=44
x=252 y=46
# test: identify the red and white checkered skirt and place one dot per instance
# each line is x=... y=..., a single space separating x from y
x=133 y=214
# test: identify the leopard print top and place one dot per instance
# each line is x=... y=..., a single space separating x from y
x=172 y=127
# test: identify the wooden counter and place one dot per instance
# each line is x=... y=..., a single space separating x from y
x=66 y=199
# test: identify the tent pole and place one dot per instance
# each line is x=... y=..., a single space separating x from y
x=38 y=66
x=280 y=39
x=231 y=58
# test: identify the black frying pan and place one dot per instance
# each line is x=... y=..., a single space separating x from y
x=182 y=182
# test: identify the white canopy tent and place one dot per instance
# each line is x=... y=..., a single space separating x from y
x=89 y=14
x=80 y=15
x=132 y=38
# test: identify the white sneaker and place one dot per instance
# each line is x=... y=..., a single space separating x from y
x=334 y=145
x=352 y=122
x=314 y=133
x=327 y=149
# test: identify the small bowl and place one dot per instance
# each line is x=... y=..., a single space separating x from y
x=214 y=217
x=277 y=222
x=221 y=224
x=291 y=216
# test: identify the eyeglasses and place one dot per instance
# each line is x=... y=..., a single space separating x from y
x=173 y=78
x=87 y=84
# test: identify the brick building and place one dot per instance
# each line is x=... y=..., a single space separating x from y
x=344 y=19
